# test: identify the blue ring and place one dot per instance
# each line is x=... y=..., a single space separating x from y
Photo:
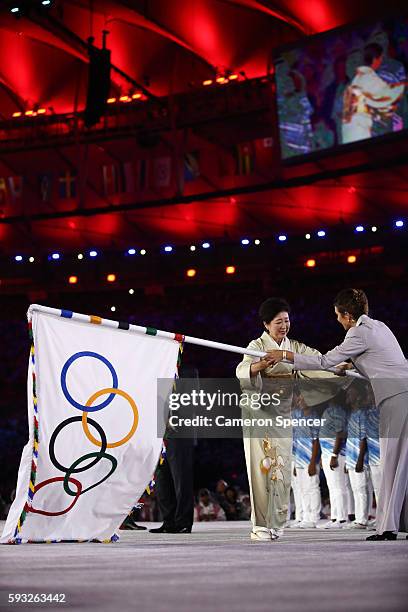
x=64 y=381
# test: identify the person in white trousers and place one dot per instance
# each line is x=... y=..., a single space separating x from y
x=306 y=456
x=332 y=438
x=297 y=498
x=356 y=452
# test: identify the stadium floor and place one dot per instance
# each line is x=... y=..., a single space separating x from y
x=216 y=567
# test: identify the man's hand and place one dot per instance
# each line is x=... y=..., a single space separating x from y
x=334 y=463
x=359 y=467
x=312 y=469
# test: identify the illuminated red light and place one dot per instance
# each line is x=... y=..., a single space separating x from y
x=311 y=263
x=73 y=280
x=221 y=80
x=230 y=270
x=111 y=278
x=125 y=99
x=18 y=114
x=207 y=82
x=137 y=96
x=351 y=259
x=30 y=113
x=111 y=100
x=41 y=111
x=233 y=77
x=191 y=273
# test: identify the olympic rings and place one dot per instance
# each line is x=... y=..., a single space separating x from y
x=57 y=479
x=64 y=380
x=86 y=421
x=135 y=417
x=72 y=469
x=55 y=433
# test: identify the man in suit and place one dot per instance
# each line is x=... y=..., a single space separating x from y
x=174 y=479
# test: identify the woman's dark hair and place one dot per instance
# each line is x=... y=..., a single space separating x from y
x=271 y=307
x=352 y=301
x=371 y=52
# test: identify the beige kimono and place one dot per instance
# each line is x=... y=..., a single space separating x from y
x=268 y=458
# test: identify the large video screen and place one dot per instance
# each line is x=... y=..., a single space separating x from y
x=343 y=86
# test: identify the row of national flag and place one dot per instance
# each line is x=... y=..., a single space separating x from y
x=152 y=174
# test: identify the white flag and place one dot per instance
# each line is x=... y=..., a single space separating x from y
x=93 y=443
x=162 y=172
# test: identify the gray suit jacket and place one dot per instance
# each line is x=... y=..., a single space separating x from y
x=375 y=353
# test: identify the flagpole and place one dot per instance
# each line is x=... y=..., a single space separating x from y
x=142 y=330
x=138 y=329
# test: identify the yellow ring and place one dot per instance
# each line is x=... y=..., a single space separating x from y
x=135 y=417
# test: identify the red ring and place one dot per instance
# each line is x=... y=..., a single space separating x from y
x=57 y=479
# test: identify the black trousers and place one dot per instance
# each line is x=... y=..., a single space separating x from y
x=174 y=484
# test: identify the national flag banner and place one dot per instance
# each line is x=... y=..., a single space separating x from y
x=3 y=190
x=93 y=430
x=142 y=174
x=67 y=185
x=45 y=186
x=162 y=172
x=15 y=187
x=244 y=158
x=111 y=179
x=265 y=156
x=128 y=177
x=191 y=163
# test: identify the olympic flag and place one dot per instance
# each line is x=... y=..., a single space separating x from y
x=93 y=442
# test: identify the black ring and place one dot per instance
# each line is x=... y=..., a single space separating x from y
x=98 y=456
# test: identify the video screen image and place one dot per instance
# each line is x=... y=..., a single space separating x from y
x=343 y=86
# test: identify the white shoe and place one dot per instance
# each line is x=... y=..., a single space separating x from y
x=294 y=525
x=261 y=534
x=355 y=525
x=307 y=525
x=337 y=525
x=276 y=533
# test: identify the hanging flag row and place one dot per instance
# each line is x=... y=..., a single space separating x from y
x=157 y=174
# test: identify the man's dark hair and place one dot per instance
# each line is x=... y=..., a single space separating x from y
x=371 y=52
x=271 y=307
x=352 y=301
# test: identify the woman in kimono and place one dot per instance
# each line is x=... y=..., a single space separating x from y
x=268 y=450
